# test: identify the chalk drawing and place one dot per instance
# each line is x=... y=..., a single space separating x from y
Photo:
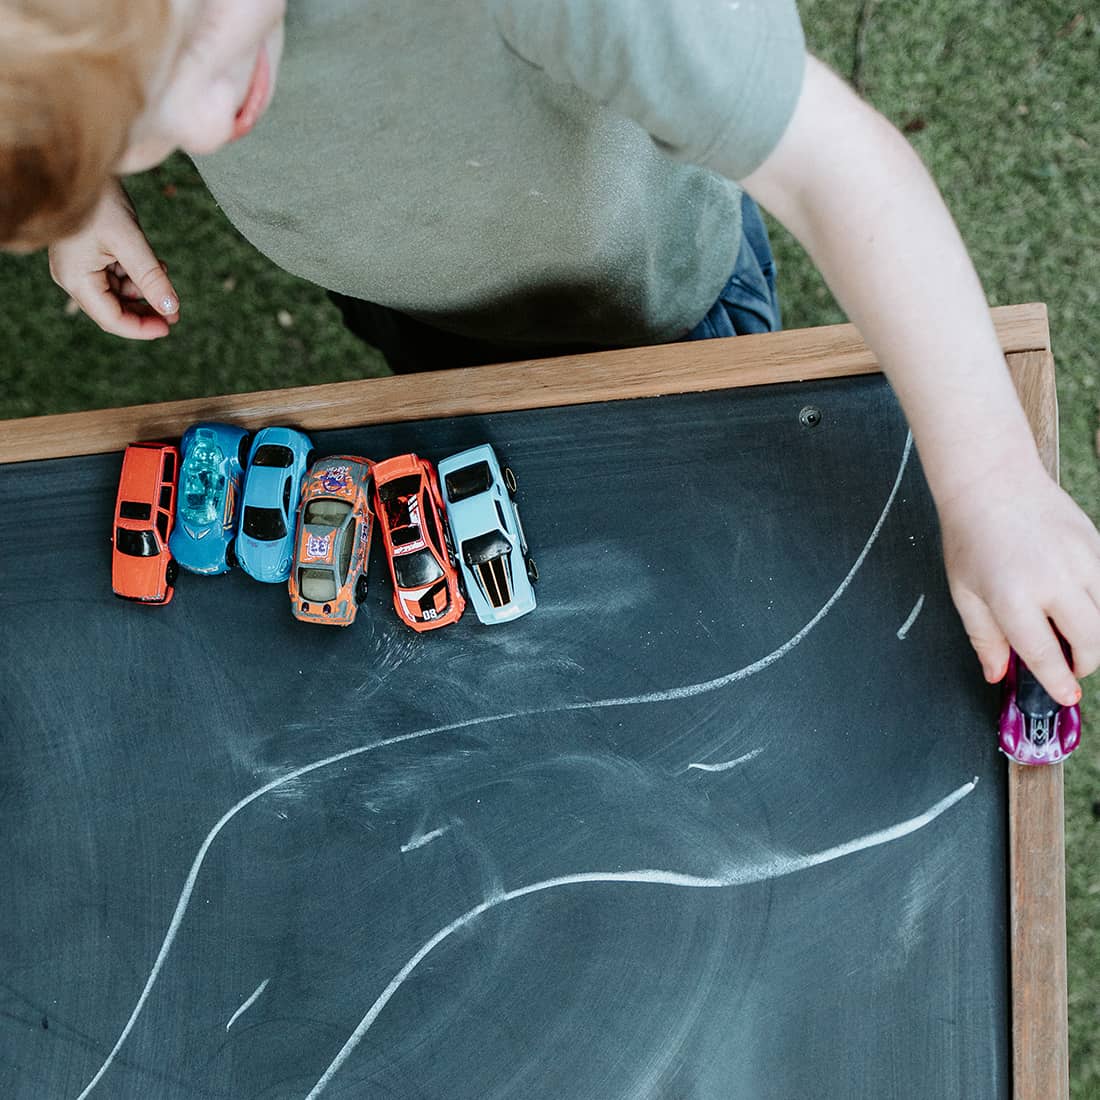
x=419 y=841
x=652 y=697
x=904 y=628
x=727 y=764
x=247 y=1004
x=729 y=876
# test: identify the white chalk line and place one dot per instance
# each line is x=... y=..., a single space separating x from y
x=904 y=628
x=727 y=764
x=415 y=842
x=247 y=1004
x=652 y=697
x=775 y=868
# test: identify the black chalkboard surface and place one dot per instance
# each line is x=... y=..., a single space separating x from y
x=722 y=819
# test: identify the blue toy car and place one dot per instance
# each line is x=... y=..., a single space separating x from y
x=491 y=546
x=212 y=460
x=277 y=465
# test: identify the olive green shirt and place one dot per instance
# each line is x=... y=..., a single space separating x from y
x=523 y=171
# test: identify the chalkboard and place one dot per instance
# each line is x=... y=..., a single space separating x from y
x=723 y=818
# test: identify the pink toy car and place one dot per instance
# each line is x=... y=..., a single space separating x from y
x=1034 y=729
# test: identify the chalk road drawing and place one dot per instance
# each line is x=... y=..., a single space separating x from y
x=651 y=697
x=247 y=1004
x=727 y=764
x=905 y=626
x=731 y=876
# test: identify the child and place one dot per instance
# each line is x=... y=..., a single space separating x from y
x=511 y=177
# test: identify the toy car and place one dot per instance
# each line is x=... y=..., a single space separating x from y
x=1034 y=729
x=426 y=589
x=142 y=567
x=328 y=579
x=277 y=465
x=213 y=459
x=489 y=539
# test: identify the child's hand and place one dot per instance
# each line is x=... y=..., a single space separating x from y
x=111 y=273
x=1020 y=556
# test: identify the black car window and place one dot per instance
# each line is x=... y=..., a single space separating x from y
x=169 y=466
x=166 y=496
x=399 y=487
x=263 y=524
x=346 y=548
x=272 y=454
x=468 y=481
x=162 y=525
x=136 y=544
x=133 y=509
x=286 y=497
x=413 y=570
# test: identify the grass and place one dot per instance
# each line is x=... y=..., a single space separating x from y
x=1001 y=98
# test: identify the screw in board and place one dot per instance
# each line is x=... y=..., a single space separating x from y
x=810 y=416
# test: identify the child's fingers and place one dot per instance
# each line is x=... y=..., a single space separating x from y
x=985 y=635
x=1078 y=621
x=148 y=274
x=102 y=305
x=1039 y=647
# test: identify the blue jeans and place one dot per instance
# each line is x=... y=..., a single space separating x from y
x=748 y=302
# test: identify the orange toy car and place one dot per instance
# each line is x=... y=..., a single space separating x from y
x=142 y=567
x=409 y=506
x=328 y=577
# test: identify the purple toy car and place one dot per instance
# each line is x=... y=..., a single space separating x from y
x=1034 y=729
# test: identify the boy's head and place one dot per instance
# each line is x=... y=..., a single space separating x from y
x=95 y=88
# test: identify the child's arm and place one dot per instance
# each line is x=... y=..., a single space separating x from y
x=1018 y=550
x=111 y=272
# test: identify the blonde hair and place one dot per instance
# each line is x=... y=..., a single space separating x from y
x=72 y=81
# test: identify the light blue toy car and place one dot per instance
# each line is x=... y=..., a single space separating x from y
x=277 y=464
x=491 y=546
x=212 y=459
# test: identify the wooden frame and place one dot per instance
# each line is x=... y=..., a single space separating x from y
x=1035 y=795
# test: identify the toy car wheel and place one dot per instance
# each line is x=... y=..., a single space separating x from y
x=230 y=554
x=532 y=571
x=243 y=448
x=509 y=479
x=171 y=573
x=361 y=588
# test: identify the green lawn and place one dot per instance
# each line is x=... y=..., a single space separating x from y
x=1001 y=98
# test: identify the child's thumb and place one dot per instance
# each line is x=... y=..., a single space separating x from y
x=149 y=275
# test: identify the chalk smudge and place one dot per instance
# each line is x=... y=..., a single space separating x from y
x=727 y=764
x=905 y=626
x=419 y=841
x=247 y=1004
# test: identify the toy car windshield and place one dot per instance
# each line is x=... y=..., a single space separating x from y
x=468 y=482
x=137 y=544
x=1030 y=696
x=325 y=513
x=273 y=454
x=413 y=570
x=203 y=484
x=263 y=524
x=398 y=488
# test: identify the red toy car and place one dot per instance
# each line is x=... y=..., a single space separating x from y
x=142 y=567
x=409 y=507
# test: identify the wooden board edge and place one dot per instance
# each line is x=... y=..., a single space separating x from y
x=796 y=355
x=1036 y=823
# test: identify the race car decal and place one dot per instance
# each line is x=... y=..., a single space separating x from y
x=318 y=547
x=335 y=479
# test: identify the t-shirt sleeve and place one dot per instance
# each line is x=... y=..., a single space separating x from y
x=714 y=82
